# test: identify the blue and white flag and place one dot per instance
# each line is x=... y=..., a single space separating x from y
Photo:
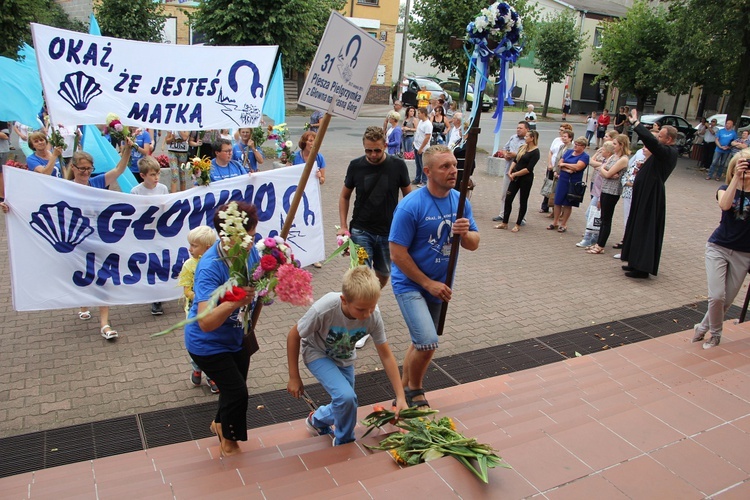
x=73 y=245
x=86 y=77
x=22 y=90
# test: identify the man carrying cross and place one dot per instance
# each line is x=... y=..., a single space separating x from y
x=420 y=242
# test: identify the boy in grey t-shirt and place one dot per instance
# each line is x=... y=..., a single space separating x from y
x=326 y=335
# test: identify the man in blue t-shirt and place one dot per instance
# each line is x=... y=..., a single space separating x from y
x=724 y=139
x=141 y=147
x=223 y=166
x=420 y=244
x=245 y=151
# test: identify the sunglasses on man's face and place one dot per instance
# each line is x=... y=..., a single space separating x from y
x=373 y=151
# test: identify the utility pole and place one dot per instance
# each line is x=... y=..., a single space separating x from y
x=404 y=39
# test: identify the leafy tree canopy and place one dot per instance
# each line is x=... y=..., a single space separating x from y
x=634 y=50
x=141 y=20
x=713 y=49
x=558 y=44
x=433 y=22
x=296 y=26
x=16 y=15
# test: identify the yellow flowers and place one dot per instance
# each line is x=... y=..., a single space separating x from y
x=200 y=169
x=362 y=255
x=431 y=439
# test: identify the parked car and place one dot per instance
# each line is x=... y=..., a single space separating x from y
x=411 y=85
x=722 y=119
x=454 y=90
x=433 y=78
x=685 y=131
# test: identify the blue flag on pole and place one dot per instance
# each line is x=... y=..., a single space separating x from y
x=22 y=89
x=95 y=144
x=94 y=26
x=274 y=106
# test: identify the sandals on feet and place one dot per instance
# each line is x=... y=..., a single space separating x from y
x=596 y=249
x=551 y=227
x=84 y=315
x=108 y=333
x=502 y=225
x=515 y=229
x=617 y=246
x=561 y=229
x=411 y=394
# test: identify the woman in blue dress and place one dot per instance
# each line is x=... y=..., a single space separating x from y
x=572 y=165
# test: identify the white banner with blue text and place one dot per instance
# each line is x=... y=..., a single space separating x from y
x=152 y=85
x=72 y=245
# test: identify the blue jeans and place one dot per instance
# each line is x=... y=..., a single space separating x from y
x=408 y=143
x=342 y=411
x=721 y=156
x=421 y=318
x=378 y=250
x=421 y=177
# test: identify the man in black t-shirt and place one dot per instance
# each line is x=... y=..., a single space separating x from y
x=377 y=179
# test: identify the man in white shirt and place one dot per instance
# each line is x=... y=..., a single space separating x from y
x=422 y=137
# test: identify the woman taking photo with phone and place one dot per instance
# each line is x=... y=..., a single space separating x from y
x=727 y=250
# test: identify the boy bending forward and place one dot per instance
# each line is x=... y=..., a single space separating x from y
x=327 y=334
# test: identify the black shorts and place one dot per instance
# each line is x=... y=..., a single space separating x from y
x=566 y=109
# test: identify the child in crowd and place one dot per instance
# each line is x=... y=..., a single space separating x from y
x=149 y=171
x=200 y=240
x=327 y=334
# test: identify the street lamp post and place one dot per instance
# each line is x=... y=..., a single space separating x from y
x=404 y=39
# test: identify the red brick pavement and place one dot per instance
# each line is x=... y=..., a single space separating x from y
x=57 y=370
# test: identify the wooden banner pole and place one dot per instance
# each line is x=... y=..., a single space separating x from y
x=299 y=192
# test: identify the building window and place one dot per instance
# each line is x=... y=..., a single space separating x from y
x=373 y=3
x=589 y=89
x=598 y=37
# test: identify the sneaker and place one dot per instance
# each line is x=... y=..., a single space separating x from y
x=212 y=385
x=523 y=222
x=361 y=342
x=698 y=336
x=712 y=342
x=317 y=430
x=195 y=378
x=499 y=218
x=617 y=255
x=156 y=309
x=583 y=244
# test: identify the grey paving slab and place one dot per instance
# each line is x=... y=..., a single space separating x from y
x=56 y=370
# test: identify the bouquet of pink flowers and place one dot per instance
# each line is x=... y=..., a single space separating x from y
x=15 y=164
x=116 y=129
x=278 y=274
x=347 y=248
x=163 y=160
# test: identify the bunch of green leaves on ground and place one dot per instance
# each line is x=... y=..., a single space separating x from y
x=429 y=439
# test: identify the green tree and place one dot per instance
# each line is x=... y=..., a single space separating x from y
x=713 y=49
x=16 y=15
x=296 y=26
x=558 y=45
x=141 y=20
x=634 y=51
x=433 y=22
